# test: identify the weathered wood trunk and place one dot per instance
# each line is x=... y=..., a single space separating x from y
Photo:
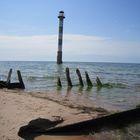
x=89 y=83
x=80 y=77
x=4 y=84
x=9 y=85
x=43 y=126
x=9 y=76
x=22 y=86
x=68 y=77
x=113 y=121
x=99 y=83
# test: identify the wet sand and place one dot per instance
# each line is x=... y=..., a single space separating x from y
x=62 y=138
x=17 y=108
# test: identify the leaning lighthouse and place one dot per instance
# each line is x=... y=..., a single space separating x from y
x=60 y=37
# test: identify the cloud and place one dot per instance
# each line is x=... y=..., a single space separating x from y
x=50 y=38
x=76 y=47
x=79 y=37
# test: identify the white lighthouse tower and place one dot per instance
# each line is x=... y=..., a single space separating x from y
x=60 y=37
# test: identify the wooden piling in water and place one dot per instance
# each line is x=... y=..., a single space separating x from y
x=80 y=77
x=5 y=84
x=98 y=81
x=9 y=85
x=89 y=83
x=22 y=86
x=9 y=77
x=68 y=77
x=59 y=82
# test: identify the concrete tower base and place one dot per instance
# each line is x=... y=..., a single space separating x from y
x=59 y=57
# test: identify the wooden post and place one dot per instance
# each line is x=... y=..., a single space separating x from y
x=22 y=86
x=68 y=77
x=99 y=83
x=80 y=77
x=89 y=83
x=9 y=77
x=5 y=84
x=59 y=82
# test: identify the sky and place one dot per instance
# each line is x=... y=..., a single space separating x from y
x=94 y=30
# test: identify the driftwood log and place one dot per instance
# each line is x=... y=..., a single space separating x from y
x=43 y=126
x=113 y=121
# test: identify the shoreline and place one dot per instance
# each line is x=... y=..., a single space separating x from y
x=19 y=107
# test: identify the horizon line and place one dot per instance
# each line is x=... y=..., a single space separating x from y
x=69 y=61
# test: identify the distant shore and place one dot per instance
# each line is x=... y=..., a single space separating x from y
x=17 y=108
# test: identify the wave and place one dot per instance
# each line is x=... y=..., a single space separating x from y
x=39 y=78
x=31 y=78
x=115 y=85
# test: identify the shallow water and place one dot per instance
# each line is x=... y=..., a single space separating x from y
x=123 y=91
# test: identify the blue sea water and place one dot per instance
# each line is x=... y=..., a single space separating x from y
x=123 y=79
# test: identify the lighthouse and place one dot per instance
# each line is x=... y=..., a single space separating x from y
x=60 y=37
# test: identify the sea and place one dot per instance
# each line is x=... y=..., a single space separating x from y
x=121 y=81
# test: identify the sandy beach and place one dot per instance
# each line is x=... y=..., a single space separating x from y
x=18 y=108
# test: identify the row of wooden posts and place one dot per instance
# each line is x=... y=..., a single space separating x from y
x=81 y=83
x=9 y=85
x=20 y=84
